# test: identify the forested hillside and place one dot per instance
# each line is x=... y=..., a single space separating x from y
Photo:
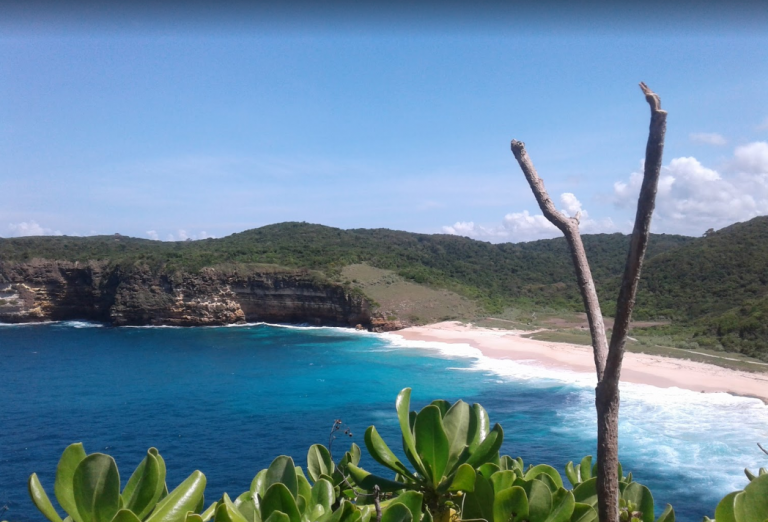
x=715 y=287
x=538 y=272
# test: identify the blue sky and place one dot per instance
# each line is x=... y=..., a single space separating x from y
x=170 y=122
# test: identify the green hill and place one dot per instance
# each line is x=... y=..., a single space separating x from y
x=538 y=272
x=713 y=287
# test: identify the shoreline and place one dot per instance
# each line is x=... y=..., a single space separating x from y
x=638 y=368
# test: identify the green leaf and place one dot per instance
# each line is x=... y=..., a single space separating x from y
x=586 y=492
x=208 y=513
x=382 y=454
x=397 y=513
x=572 y=474
x=145 y=485
x=125 y=515
x=442 y=405
x=585 y=468
x=583 y=513
x=503 y=480
x=510 y=504
x=412 y=500
x=751 y=505
x=257 y=484
x=456 y=424
x=488 y=448
x=539 y=500
x=546 y=470
x=278 y=516
x=479 y=503
x=319 y=462
x=346 y=513
x=562 y=506
x=246 y=505
x=366 y=481
x=724 y=510
x=96 y=487
x=641 y=496
x=185 y=498
x=227 y=512
x=402 y=405
x=65 y=471
x=282 y=471
x=668 y=515
x=479 y=427
x=431 y=442
x=41 y=500
x=463 y=480
x=354 y=451
x=507 y=463
x=279 y=498
x=305 y=490
x=322 y=494
x=488 y=469
x=193 y=517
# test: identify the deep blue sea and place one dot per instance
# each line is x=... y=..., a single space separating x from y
x=228 y=400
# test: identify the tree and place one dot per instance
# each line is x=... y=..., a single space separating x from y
x=608 y=357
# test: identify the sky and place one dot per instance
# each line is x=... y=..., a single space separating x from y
x=171 y=120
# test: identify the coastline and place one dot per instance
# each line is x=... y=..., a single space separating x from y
x=638 y=368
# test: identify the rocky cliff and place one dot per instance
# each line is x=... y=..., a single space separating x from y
x=43 y=290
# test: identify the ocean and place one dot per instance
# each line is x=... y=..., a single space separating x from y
x=227 y=400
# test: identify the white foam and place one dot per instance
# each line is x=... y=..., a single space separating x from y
x=707 y=437
x=11 y=325
x=81 y=324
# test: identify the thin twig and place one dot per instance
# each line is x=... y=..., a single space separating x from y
x=376 y=491
x=762 y=448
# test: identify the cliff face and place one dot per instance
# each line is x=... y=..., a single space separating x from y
x=43 y=290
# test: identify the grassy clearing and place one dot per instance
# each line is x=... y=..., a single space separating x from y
x=407 y=301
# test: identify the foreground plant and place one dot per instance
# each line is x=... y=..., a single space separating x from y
x=282 y=492
x=444 y=443
x=88 y=488
x=747 y=505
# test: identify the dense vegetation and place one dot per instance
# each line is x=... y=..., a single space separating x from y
x=456 y=474
x=714 y=288
x=539 y=272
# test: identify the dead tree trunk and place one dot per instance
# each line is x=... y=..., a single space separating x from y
x=608 y=358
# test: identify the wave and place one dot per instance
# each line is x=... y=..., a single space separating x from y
x=707 y=437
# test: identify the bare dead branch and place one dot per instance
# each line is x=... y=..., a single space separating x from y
x=570 y=228
x=608 y=359
x=762 y=448
x=639 y=242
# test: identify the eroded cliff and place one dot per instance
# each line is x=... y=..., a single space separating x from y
x=43 y=290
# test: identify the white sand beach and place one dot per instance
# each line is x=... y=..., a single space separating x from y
x=638 y=368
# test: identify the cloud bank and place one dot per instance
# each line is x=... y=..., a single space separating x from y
x=691 y=198
x=30 y=228
x=708 y=138
x=523 y=226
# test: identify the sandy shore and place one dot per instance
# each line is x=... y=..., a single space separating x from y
x=658 y=371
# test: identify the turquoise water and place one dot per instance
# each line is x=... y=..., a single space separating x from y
x=228 y=400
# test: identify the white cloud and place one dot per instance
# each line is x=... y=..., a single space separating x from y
x=151 y=234
x=181 y=235
x=708 y=138
x=30 y=228
x=524 y=226
x=692 y=198
x=752 y=158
